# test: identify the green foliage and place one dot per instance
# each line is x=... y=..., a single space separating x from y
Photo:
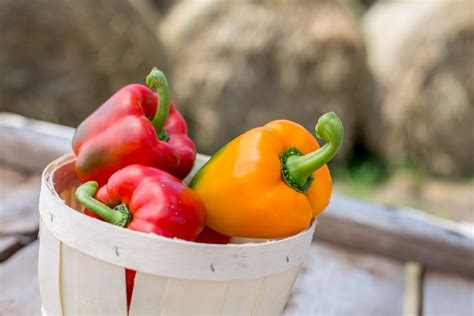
x=359 y=176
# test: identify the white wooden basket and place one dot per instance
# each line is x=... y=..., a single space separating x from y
x=82 y=261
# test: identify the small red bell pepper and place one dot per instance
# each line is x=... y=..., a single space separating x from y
x=147 y=200
x=209 y=236
x=130 y=128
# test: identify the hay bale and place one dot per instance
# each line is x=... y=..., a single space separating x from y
x=185 y=19
x=59 y=60
x=422 y=56
x=240 y=66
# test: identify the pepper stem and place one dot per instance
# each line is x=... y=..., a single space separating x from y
x=119 y=215
x=156 y=80
x=300 y=167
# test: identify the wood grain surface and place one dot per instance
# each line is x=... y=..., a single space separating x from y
x=447 y=294
x=340 y=281
x=402 y=234
x=19 y=294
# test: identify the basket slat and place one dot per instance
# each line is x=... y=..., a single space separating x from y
x=85 y=280
x=185 y=297
x=148 y=293
x=241 y=297
x=48 y=271
x=275 y=292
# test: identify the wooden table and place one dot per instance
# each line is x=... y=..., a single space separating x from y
x=365 y=259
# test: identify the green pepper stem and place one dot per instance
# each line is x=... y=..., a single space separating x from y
x=156 y=80
x=85 y=194
x=328 y=128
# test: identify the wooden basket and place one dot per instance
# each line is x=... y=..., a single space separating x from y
x=82 y=260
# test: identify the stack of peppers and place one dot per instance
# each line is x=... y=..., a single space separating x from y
x=136 y=148
x=133 y=151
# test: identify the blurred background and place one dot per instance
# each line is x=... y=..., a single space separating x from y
x=400 y=74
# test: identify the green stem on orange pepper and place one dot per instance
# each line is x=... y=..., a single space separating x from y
x=300 y=167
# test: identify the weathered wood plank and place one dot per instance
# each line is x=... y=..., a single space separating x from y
x=19 y=294
x=11 y=243
x=338 y=281
x=9 y=180
x=413 y=287
x=8 y=246
x=19 y=209
x=403 y=234
x=29 y=144
x=447 y=294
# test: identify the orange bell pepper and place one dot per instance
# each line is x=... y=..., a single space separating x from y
x=271 y=181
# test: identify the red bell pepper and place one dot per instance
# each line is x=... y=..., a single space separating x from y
x=209 y=236
x=129 y=129
x=147 y=200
